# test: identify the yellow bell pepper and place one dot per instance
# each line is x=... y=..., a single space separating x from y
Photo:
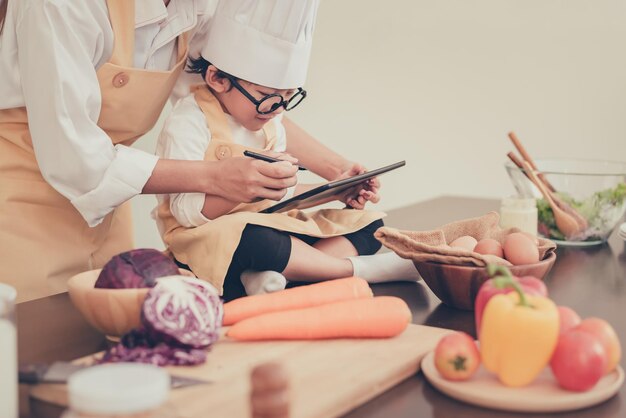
x=518 y=334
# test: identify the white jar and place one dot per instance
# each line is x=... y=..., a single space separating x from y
x=122 y=390
x=8 y=352
x=519 y=213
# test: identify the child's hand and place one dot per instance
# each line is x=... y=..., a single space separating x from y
x=367 y=192
x=357 y=196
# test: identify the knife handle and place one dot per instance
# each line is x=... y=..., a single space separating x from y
x=31 y=373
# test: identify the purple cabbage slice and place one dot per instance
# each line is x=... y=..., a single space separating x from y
x=135 y=269
x=136 y=347
x=182 y=312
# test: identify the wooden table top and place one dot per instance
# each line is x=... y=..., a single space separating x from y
x=590 y=280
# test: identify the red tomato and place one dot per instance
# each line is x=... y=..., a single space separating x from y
x=568 y=318
x=604 y=332
x=578 y=361
x=456 y=356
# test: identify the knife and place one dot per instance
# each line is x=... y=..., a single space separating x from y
x=59 y=371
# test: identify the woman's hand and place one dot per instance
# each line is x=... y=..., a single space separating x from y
x=248 y=180
x=281 y=156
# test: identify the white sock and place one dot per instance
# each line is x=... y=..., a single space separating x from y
x=384 y=267
x=259 y=282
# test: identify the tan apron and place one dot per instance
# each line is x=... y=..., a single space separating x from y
x=208 y=249
x=43 y=239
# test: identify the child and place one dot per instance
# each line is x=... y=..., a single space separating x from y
x=254 y=65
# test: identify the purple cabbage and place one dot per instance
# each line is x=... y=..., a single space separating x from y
x=181 y=317
x=183 y=312
x=138 y=348
x=136 y=269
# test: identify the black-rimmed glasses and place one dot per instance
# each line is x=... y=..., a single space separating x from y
x=271 y=102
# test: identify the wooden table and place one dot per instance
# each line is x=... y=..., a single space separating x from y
x=590 y=280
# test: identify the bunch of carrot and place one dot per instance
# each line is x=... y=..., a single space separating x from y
x=342 y=308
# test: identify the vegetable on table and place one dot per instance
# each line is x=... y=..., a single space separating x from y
x=500 y=283
x=297 y=297
x=518 y=335
x=456 y=356
x=378 y=317
x=568 y=318
x=183 y=311
x=181 y=317
x=578 y=361
x=135 y=269
x=604 y=332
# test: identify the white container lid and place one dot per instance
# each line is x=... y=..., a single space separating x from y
x=519 y=203
x=122 y=388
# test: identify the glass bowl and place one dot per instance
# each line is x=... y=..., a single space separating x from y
x=595 y=189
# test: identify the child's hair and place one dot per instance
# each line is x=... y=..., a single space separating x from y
x=200 y=66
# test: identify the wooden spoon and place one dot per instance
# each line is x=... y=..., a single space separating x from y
x=582 y=222
x=564 y=221
x=522 y=151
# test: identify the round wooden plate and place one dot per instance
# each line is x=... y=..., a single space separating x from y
x=543 y=395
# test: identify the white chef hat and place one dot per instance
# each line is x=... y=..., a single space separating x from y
x=267 y=42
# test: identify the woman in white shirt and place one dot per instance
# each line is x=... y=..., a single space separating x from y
x=80 y=82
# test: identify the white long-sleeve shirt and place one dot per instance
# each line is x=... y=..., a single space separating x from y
x=50 y=51
x=185 y=136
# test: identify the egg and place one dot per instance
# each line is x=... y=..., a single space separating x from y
x=465 y=242
x=520 y=249
x=532 y=237
x=489 y=246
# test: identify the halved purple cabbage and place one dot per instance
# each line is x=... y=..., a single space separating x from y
x=136 y=347
x=135 y=269
x=183 y=312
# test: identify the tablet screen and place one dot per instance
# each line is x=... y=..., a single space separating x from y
x=333 y=188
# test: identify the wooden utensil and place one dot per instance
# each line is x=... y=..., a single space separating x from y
x=520 y=148
x=582 y=222
x=564 y=221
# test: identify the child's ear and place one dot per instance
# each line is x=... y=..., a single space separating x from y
x=218 y=84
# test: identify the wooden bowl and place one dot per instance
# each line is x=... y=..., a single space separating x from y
x=457 y=286
x=111 y=311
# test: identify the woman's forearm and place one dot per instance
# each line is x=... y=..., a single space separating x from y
x=236 y=179
x=180 y=176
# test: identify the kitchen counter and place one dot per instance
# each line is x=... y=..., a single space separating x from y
x=590 y=280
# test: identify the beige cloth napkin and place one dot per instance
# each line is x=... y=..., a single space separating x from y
x=434 y=245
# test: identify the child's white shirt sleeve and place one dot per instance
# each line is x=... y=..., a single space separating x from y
x=185 y=136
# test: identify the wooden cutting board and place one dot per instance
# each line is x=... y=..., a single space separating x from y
x=327 y=378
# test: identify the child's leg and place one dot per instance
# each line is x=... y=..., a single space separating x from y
x=374 y=268
x=361 y=242
x=326 y=258
x=307 y=263
x=260 y=249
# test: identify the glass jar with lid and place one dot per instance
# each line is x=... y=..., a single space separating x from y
x=8 y=352
x=122 y=390
x=519 y=212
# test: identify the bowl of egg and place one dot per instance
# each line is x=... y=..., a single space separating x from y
x=457 y=285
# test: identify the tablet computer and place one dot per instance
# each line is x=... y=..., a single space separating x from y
x=312 y=197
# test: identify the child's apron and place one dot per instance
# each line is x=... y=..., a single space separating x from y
x=209 y=248
x=43 y=239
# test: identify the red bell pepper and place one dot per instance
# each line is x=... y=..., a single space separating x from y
x=499 y=284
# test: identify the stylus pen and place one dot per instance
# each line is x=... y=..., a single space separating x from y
x=265 y=158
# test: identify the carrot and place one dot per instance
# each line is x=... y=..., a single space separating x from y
x=295 y=298
x=379 y=317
